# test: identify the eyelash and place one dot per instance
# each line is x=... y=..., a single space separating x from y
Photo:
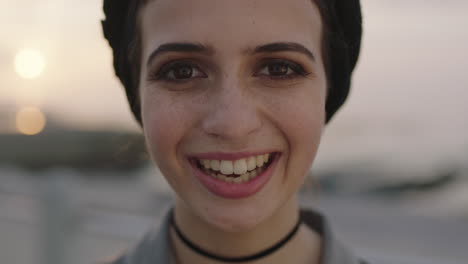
x=297 y=69
x=162 y=74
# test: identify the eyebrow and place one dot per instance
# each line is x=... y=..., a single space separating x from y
x=184 y=47
x=187 y=47
x=283 y=46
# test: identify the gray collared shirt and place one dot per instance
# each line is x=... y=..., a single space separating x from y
x=155 y=248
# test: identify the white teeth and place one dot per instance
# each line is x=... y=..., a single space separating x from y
x=226 y=167
x=238 y=179
x=244 y=177
x=260 y=161
x=214 y=165
x=206 y=164
x=240 y=166
x=246 y=169
x=253 y=174
x=251 y=163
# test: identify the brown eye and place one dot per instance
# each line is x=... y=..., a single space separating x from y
x=183 y=72
x=278 y=69
x=179 y=71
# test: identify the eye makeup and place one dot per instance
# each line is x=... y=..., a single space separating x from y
x=280 y=69
x=177 y=71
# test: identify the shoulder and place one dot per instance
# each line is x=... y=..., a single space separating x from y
x=119 y=258
x=153 y=247
x=333 y=251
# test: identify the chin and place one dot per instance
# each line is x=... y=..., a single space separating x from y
x=237 y=216
x=235 y=221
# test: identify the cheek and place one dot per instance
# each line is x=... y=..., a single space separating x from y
x=301 y=120
x=163 y=127
x=300 y=115
x=163 y=135
x=306 y=134
x=308 y=127
x=158 y=137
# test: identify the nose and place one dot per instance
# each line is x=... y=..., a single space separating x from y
x=233 y=113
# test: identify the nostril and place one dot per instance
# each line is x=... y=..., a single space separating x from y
x=232 y=124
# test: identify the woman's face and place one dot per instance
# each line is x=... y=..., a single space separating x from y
x=222 y=84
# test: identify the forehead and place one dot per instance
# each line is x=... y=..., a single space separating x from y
x=231 y=24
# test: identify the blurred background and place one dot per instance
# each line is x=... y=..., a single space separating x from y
x=76 y=185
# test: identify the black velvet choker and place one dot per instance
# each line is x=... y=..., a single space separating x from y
x=255 y=256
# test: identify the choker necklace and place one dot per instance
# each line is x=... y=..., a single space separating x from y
x=255 y=256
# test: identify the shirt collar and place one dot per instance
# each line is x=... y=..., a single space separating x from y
x=155 y=246
x=333 y=251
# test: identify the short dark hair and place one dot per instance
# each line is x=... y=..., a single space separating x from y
x=341 y=42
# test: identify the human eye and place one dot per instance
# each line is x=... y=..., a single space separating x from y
x=280 y=69
x=178 y=71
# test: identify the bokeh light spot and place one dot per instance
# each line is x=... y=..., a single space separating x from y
x=29 y=63
x=30 y=121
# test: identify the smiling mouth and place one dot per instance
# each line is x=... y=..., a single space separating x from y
x=237 y=171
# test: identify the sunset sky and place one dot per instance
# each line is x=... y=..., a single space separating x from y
x=412 y=75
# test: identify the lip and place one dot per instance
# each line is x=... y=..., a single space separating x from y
x=233 y=190
x=229 y=156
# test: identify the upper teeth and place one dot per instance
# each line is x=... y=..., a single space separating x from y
x=237 y=167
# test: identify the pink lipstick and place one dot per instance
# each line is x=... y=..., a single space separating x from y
x=233 y=190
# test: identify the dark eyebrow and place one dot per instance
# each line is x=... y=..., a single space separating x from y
x=184 y=47
x=284 y=46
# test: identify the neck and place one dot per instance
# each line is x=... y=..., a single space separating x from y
x=304 y=245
